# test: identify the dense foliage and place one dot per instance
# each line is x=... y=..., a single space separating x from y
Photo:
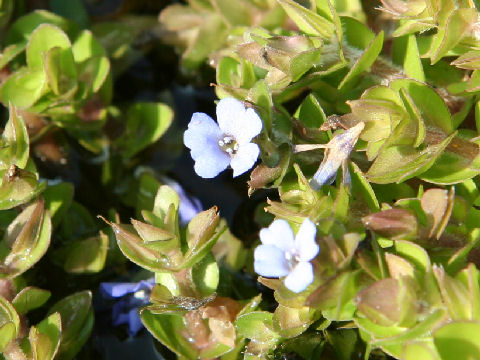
x=354 y=124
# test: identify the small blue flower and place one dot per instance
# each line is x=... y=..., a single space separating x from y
x=125 y=311
x=215 y=146
x=282 y=254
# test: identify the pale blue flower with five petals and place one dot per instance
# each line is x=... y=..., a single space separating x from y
x=216 y=146
x=283 y=254
x=131 y=296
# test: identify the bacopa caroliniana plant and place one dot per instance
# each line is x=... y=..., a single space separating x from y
x=358 y=126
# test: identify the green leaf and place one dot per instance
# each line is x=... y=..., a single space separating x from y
x=418 y=350
x=16 y=142
x=156 y=237
x=7 y=334
x=469 y=60
x=308 y=21
x=227 y=72
x=11 y=52
x=470 y=277
x=458 y=340
x=406 y=54
x=335 y=296
x=460 y=162
x=422 y=330
x=28 y=237
x=45 y=337
x=8 y=315
x=414 y=253
x=256 y=325
x=76 y=313
x=361 y=185
x=205 y=275
x=86 y=46
x=168 y=329
x=363 y=63
x=58 y=199
x=86 y=256
x=146 y=123
x=202 y=234
x=401 y=162
x=356 y=33
x=21 y=30
x=135 y=249
x=415 y=115
x=201 y=228
x=261 y=96
x=291 y=322
x=303 y=62
x=236 y=13
x=18 y=187
x=211 y=35
x=23 y=88
x=263 y=176
x=77 y=223
x=164 y=198
x=344 y=343
x=311 y=114
x=458 y=24
x=92 y=74
x=44 y=37
x=378 y=331
x=455 y=295
x=437 y=205
x=6 y=11
x=144 y=195
x=30 y=298
x=432 y=108
x=409 y=27
x=388 y=302
x=61 y=72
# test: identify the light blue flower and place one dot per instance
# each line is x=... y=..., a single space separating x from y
x=131 y=296
x=282 y=254
x=215 y=146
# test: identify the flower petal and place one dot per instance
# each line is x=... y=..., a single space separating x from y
x=119 y=310
x=326 y=173
x=279 y=234
x=270 y=261
x=211 y=164
x=305 y=245
x=252 y=125
x=118 y=289
x=202 y=133
x=234 y=119
x=202 y=138
x=300 y=277
x=245 y=158
x=134 y=322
